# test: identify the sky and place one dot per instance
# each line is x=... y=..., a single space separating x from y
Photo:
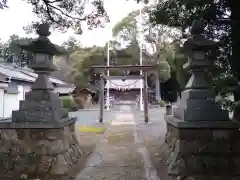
x=20 y=14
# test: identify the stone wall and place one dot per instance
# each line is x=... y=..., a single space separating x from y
x=34 y=153
x=203 y=154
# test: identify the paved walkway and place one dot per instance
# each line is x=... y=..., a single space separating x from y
x=121 y=154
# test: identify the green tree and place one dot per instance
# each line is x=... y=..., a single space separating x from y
x=82 y=62
x=157 y=37
x=222 y=20
x=12 y=47
x=71 y=45
x=3 y=49
x=62 y=14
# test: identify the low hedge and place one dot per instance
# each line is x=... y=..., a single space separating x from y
x=69 y=103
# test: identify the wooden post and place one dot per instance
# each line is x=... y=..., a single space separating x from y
x=145 y=89
x=158 y=97
x=101 y=98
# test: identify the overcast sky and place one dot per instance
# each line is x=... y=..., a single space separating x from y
x=19 y=14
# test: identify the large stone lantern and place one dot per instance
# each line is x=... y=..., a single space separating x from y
x=42 y=107
x=198 y=98
x=40 y=141
x=203 y=142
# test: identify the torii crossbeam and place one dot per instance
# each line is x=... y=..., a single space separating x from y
x=145 y=68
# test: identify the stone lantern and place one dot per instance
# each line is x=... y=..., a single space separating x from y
x=40 y=141
x=42 y=107
x=200 y=136
x=198 y=98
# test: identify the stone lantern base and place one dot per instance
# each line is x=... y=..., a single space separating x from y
x=38 y=153
x=206 y=151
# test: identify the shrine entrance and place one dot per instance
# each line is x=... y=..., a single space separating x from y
x=122 y=89
x=102 y=69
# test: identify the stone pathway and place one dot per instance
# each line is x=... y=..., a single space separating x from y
x=120 y=154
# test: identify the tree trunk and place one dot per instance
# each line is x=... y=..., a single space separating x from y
x=235 y=37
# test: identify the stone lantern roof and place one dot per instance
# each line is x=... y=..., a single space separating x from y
x=42 y=44
x=197 y=41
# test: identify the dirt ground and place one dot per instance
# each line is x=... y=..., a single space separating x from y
x=158 y=157
x=154 y=137
x=155 y=146
x=87 y=142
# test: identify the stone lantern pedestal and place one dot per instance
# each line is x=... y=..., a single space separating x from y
x=40 y=142
x=203 y=143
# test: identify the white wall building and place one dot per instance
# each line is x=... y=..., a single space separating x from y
x=16 y=82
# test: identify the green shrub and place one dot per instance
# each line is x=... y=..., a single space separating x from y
x=161 y=103
x=69 y=103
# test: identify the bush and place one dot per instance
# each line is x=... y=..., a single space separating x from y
x=69 y=103
x=162 y=103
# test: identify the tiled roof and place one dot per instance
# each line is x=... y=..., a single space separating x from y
x=25 y=74
x=78 y=89
x=14 y=73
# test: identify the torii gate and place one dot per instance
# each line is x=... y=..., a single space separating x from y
x=145 y=69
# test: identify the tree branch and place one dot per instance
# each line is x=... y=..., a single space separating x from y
x=46 y=2
x=54 y=1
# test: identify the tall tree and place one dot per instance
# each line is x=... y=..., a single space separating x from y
x=71 y=45
x=11 y=47
x=63 y=14
x=222 y=19
x=82 y=62
x=155 y=39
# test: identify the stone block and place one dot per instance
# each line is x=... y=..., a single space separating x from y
x=44 y=164
x=37 y=152
x=177 y=165
x=217 y=165
x=8 y=134
x=39 y=105
x=194 y=164
x=195 y=134
x=236 y=161
x=46 y=147
x=188 y=134
x=216 y=147
x=6 y=162
x=222 y=134
x=203 y=151
x=26 y=163
x=199 y=110
x=236 y=147
x=189 y=147
x=59 y=166
x=76 y=149
x=36 y=116
x=20 y=148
